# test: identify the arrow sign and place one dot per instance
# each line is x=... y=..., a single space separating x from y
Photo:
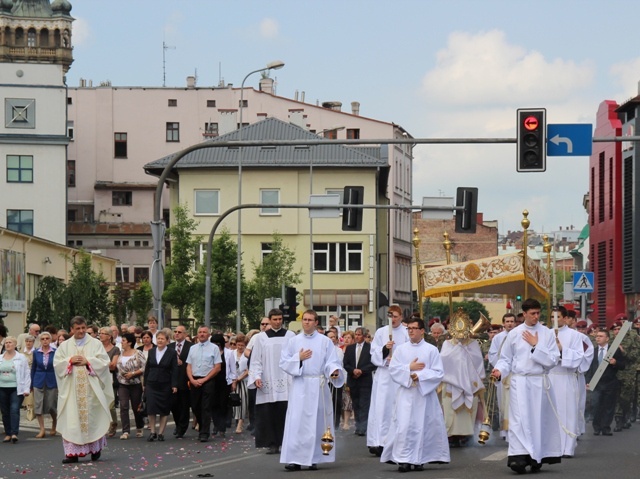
x=569 y=139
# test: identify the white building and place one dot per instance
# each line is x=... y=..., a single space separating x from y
x=35 y=53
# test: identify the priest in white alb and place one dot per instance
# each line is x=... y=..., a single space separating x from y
x=528 y=354
x=417 y=433
x=311 y=359
x=85 y=393
x=383 y=391
x=463 y=378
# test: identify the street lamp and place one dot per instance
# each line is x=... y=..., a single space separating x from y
x=274 y=65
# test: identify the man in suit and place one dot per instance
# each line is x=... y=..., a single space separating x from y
x=182 y=399
x=603 y=397
x=357 y=363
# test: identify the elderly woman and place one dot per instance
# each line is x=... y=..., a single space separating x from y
x=160 y=383
x=240 y=413
x=131 y=365
x=44 y=384
x=15 y=384
x=106 y=338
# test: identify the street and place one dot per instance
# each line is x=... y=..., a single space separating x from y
x=235 y=457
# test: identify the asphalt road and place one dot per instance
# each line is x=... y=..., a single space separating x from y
x=236 y=457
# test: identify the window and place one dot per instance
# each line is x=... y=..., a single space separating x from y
x=211 y=103
x=353 y=133
x=243 y=103
x=120 y=145
x=125 y=243
x=270 y=197
x=71 y=173
x=79 y=242
x=331 y=134
x=140 y=273
x=19 y=169
x=210 y=129
x=173 y=131
x=122 y=198
x=70 y=130
x=117 y=243
x=122 y=274
x=207 y=202
x=69 y=100
x=20 y=221
x=173 y=102
x=337 y=257
x=145 y=243
x=266 y=250
x=136 y=244
x=31 y=38
x=72 y=215
x=20 y=113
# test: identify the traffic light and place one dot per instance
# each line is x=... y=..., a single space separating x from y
x=352 y=217
x=532 y=140
x=466 y=219
x=290 y=298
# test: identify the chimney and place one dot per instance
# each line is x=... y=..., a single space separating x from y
x=295 y=95
x=191 y=82
x=480 y=218
x=266 y=85
x=332 y=105
x=355 y=108
x=302 y=96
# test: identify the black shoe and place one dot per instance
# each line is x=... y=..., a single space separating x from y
x=273 y=450
x=175 y=432
x=70 y=460
x=536 y=466
x=203 y=437
x=161 y=437
x=180 y=435
x=519 y=469
x=404 y=467
x=313 y=467
x=373 y=450
x=379 y=450
x=96 y=455
x=418 y=467
x=292 y=467
x=608 y=433
x=565 y=456
x=597 y=433
x=152 y=437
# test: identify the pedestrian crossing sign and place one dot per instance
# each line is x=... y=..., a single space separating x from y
x=583 y=281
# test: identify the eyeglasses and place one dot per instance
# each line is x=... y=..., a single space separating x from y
x=411 y=328
x=232 y=344
x=264 y=324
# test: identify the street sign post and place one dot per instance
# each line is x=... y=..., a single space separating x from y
x=569 y=139
x=583 y=281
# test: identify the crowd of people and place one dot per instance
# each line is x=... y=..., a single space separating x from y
x=413 y=390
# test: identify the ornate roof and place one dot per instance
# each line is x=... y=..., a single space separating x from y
x=35 y=8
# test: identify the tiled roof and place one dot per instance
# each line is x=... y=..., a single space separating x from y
x=329 y=155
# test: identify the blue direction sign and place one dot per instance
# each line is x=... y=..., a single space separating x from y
x=583 y=281
x=569 y=139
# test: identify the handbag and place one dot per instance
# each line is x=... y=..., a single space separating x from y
x=142 y=407
x=234 y=399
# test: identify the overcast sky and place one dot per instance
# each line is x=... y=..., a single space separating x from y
x=437 y=68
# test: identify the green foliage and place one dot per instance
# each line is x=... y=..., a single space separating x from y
x=49 y=305
x=119 y=304
x=141 y=302
x=441 y=309
x=179 y=276
x=87 y=293
x=277 y=269
x=224 y=254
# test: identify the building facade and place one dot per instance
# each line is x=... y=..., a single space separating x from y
x=117 y=130
x=35 y=53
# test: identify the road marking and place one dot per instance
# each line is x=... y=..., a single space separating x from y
x=497 y=456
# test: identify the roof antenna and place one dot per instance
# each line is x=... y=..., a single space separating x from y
x=165 y=47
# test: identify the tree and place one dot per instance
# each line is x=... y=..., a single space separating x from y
x=179 y=276
x=87 y=293
x=276 y=269
x=141 y=302
x=49 y=305
x=441 y=309
x=223 y=282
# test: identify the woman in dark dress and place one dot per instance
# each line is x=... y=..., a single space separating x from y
x=160 y=383
x=221 y=391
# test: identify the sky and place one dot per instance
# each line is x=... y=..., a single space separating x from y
x=440 y=69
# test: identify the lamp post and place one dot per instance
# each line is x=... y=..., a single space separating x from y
x=274 y=65
x=416 y=248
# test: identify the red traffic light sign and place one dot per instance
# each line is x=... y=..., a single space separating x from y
x=531 y=123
